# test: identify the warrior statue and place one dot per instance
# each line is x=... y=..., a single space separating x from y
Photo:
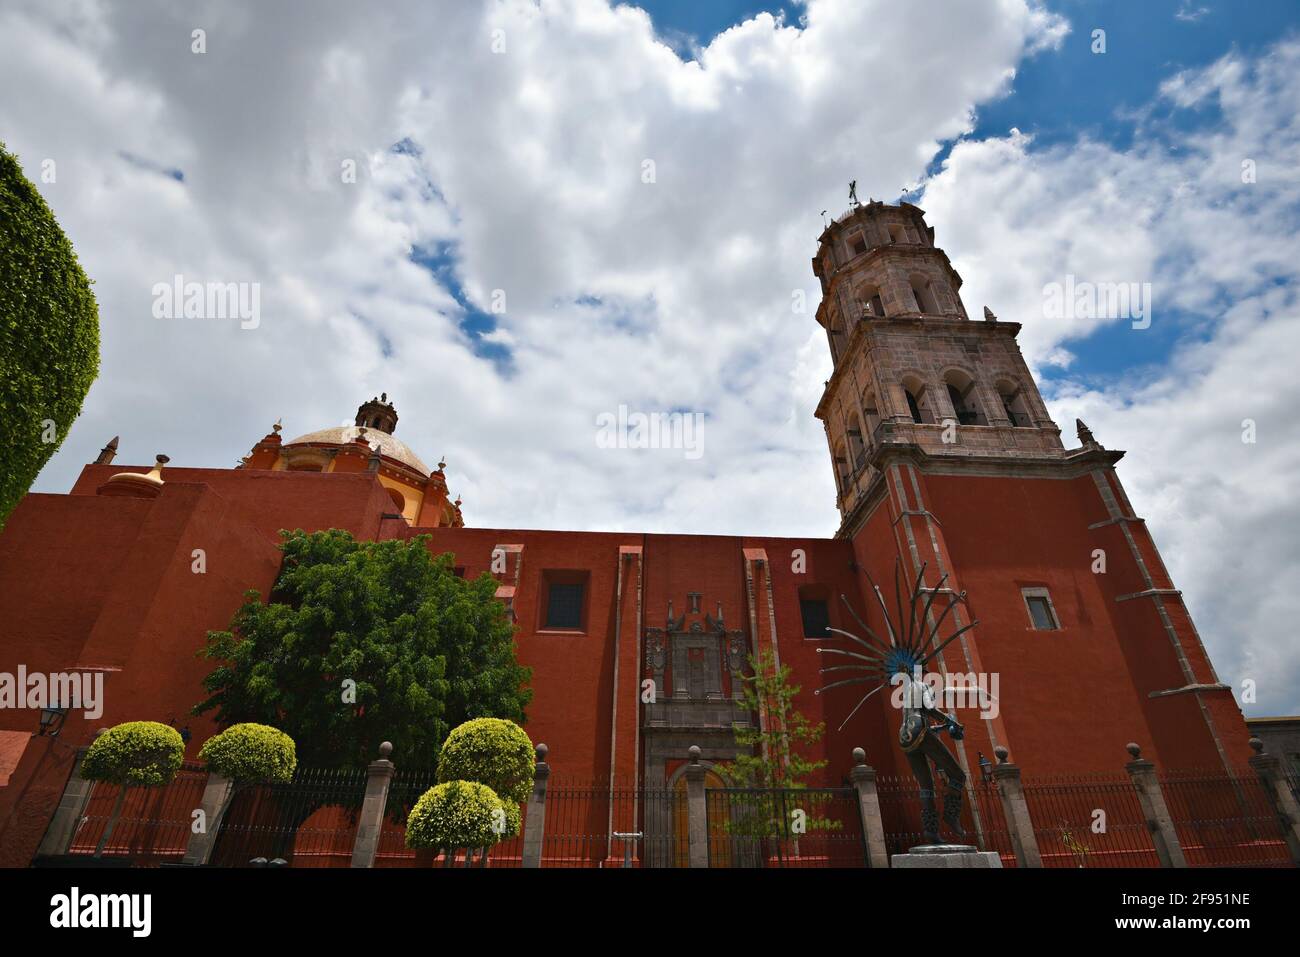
x=901 y=662
x=921 y=742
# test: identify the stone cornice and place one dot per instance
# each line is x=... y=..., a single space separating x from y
x=1066 y=465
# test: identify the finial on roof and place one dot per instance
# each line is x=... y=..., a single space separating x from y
x=1085 y=433
x=279 y=424
x=442 y=462
x=107 y=453
x=988 y=315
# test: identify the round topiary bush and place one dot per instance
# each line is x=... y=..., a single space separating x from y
x=251 y=753
x=49 y=334
x=455 y=814
x=492 y=751
x=135 y=754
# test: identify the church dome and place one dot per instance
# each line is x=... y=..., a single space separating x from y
x=385 y=444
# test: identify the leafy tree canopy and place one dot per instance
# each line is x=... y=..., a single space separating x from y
x=365 y=642
x=49 y=334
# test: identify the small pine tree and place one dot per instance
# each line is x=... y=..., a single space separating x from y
x=773 y=763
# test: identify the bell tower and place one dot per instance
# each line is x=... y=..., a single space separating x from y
x=910 y=366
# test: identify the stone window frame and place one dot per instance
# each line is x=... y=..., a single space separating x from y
x=1040 y=591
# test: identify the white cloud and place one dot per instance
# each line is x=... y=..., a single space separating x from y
x=531 y=168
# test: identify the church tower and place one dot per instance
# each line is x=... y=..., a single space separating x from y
x=911 y=367
x=949 y=467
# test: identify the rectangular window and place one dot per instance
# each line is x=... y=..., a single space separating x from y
x=564 y=606
x=1042 y=616
x=816 y=616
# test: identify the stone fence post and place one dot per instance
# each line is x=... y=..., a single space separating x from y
x=863 y=777
x=67 y=816
x=697 y=813
x=1020 y=827
x=535 y=820
x=1269 y=769
x=1152 y=799
x=213 y=804
x=379 y=775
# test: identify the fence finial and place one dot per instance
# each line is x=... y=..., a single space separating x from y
x=859 y=757
x=385 y=749
x=1257 y=745
x=694 y=752
x=1133 y=750
x=1002 y=754
x=541 y=751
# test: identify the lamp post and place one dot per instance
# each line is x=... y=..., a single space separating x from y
x=52 y=717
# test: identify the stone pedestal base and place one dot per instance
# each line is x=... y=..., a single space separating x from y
x=947 y=855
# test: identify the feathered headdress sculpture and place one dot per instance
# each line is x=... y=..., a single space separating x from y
x=911 y=643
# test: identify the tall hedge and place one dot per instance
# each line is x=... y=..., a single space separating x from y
x=49 y=334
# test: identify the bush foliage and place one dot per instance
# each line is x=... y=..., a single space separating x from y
x=491 y=751
x=49 y=350
x=456 y=814
x=251 y=753
x=136 y=754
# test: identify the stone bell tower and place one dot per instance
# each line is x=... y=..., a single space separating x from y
x=949 y=468
x=911 y=367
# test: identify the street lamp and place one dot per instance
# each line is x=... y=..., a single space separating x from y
x=52 y=716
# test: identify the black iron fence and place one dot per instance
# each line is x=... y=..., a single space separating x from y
x=1089 y=821
x=309 y=822
x=1077 y=821
x=1224 y=820
x=153 y=826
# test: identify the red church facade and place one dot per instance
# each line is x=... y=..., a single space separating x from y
x=945 y=457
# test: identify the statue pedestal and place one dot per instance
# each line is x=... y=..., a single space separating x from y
x=947 y=856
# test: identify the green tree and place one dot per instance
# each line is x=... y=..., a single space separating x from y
x=143 y=754
x=770 y=761
x=365 y=642
x=49 y=347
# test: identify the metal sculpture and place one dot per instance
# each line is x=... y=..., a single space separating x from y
x=902 y=661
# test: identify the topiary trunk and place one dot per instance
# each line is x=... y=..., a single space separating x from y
x=112 y=821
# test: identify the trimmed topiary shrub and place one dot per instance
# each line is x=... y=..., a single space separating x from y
x=251 y=753
x=491 y=751
x=49 y=346
x=494 y=752
x=456 y=814
x=133 y=754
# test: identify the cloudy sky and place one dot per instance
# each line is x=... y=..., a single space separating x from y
x=561 y=207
